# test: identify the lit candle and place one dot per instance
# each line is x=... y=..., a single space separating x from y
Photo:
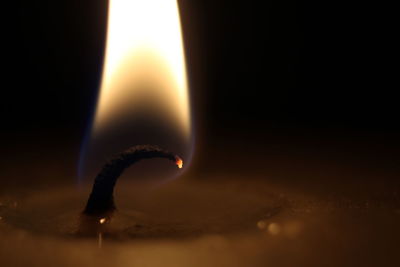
x=240 y=212
x=144 y=98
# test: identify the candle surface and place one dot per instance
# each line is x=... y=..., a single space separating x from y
x=278 y=213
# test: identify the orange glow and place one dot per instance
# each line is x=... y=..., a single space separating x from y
x=179 y=162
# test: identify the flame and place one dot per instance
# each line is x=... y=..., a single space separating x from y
x=144 y=69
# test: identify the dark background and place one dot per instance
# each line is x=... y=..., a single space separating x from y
x=254 y=66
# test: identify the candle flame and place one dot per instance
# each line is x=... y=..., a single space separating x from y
x=144 y=69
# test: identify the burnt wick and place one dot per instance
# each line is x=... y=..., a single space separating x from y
x=101 y=199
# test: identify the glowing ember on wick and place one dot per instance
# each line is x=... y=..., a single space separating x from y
x=101 y=200
x=179 y=162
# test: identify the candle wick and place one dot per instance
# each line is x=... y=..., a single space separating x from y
x=101 y=199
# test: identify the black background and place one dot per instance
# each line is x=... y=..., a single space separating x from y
x=254 y=66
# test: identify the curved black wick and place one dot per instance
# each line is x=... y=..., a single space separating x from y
x=101 y=200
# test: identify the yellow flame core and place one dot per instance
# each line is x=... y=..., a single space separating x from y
x=144 y=69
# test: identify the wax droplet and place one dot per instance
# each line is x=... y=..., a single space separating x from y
x=274 y=228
